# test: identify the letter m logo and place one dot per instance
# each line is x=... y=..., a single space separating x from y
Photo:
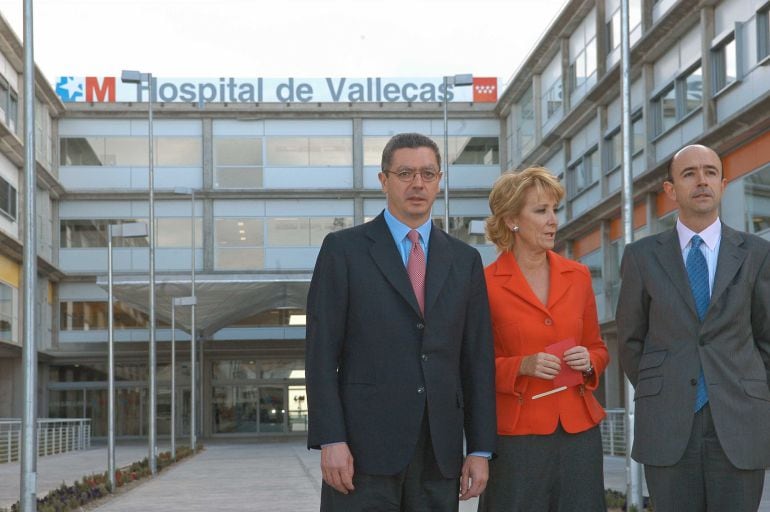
x=104 y=92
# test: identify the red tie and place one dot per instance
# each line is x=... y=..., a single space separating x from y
x=415 y=267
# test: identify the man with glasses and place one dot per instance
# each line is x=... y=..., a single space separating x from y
x=399 y=352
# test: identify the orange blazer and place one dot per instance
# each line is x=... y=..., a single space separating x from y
x=524 y=326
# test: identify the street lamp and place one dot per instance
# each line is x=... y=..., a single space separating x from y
x=455 y=81
x=128 y=230
x=178 y=301
x=135 y=77
x=193 y=375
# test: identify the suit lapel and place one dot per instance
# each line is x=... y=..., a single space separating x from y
x=388 y=260
x=669 y=255
x=517 y=284
x=731 y=257
x=558 y=285
x=439 y=263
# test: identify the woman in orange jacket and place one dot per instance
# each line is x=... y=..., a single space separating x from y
x=546 y=336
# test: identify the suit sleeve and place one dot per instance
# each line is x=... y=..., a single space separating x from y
x=592 y=338
x=478 y=368
x=326 y=317
x=760 y=311
x=632 y=315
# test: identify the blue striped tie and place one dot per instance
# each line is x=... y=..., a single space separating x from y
x=698 y=273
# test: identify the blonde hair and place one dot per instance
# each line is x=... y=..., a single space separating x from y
x=506 y=200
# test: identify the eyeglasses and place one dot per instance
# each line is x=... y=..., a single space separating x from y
x=407 y=174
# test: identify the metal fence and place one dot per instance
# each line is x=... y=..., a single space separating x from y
x=53 y=436
x=614 y=432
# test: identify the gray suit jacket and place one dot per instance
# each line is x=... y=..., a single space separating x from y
x=663 y=345
x=375 y=365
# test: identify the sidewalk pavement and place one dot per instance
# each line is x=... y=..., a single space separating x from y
x=234 y=476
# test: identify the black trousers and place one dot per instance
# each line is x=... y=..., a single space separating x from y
x=559 y=472
x=420 y=487
x=704 y=479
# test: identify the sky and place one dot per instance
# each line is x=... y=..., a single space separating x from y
x=283 y=38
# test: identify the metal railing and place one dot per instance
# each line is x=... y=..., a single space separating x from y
x=614 y=432
x=53 y=436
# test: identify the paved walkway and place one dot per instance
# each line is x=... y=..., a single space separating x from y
x=227 y=477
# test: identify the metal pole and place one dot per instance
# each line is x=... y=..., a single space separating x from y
x=634 y=489
x=173 y=380
x=28 y=490
x=110 y=368
x=193 y=423
x=446 y=154
x=153 y=370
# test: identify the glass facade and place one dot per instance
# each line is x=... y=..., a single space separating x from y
x=130 y=151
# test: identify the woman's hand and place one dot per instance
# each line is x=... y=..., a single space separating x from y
x=578 y=358
x=540 y=365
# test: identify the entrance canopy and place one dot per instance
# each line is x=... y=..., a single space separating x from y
x=222 y=299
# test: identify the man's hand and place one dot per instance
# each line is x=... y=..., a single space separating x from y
x=337 y=467
x=473 y=479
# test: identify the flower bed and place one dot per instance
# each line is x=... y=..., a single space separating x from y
x=97 y=486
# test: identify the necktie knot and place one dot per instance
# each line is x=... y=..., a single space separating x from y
x=696 y=241
x=413 y=236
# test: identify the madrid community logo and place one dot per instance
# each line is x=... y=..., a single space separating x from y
x=70 y=88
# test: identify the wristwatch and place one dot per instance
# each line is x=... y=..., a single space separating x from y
x=590 y=370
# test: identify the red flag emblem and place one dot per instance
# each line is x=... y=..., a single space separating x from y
x=484 y=89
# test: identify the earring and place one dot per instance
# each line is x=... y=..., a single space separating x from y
x=515 y=229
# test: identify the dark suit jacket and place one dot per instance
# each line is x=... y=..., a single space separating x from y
x=663 y=345
x=374 y=365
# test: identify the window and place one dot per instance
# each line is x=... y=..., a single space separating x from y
x=8 y=314
x=463 y=150
x=239 y=243
x=763 y=33
x=309 y=151
x=92 y=315
x=459 y=228
x=86 y=233
x=525 y=124
x=593 y=261
x=7 y=199
x=678 y=99
x=130 y=151
x=756 y=188
x=637 y=133
x=613 y=23
x=237 y=162
x=583 y=67
x=552 y=99
x=725 y=62
x=584 y=172
x=303 y=231
x=614 y=145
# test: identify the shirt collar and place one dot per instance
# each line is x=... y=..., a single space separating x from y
x=400 y=230
x=710 y=235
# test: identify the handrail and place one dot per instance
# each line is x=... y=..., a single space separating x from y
x=54 y=435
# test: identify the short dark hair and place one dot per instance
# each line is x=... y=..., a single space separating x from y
x=408 y=140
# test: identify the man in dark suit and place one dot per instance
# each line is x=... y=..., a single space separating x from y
x=399 y=352
x=694 y=339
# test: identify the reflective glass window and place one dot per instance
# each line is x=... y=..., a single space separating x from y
x=287 y=151
x=178 y=151
x=176 y=232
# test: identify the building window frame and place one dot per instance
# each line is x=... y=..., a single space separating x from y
x=763 y=34
x=682 y=109
x=581 y=173
x=725 y=54
x=8 y=199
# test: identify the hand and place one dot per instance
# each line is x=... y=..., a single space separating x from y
x=337 y=467
x=473 y=479
x=578 y=358
x=541 y=365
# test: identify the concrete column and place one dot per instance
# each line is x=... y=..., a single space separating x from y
x=707 y=34
x=566 y=103
x=648 y=79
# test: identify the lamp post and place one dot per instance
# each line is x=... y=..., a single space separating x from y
x=128 y=230
x=455 y=81
x=193 y=373
x=28 y=448
x=135 y=77
x=176 y=301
